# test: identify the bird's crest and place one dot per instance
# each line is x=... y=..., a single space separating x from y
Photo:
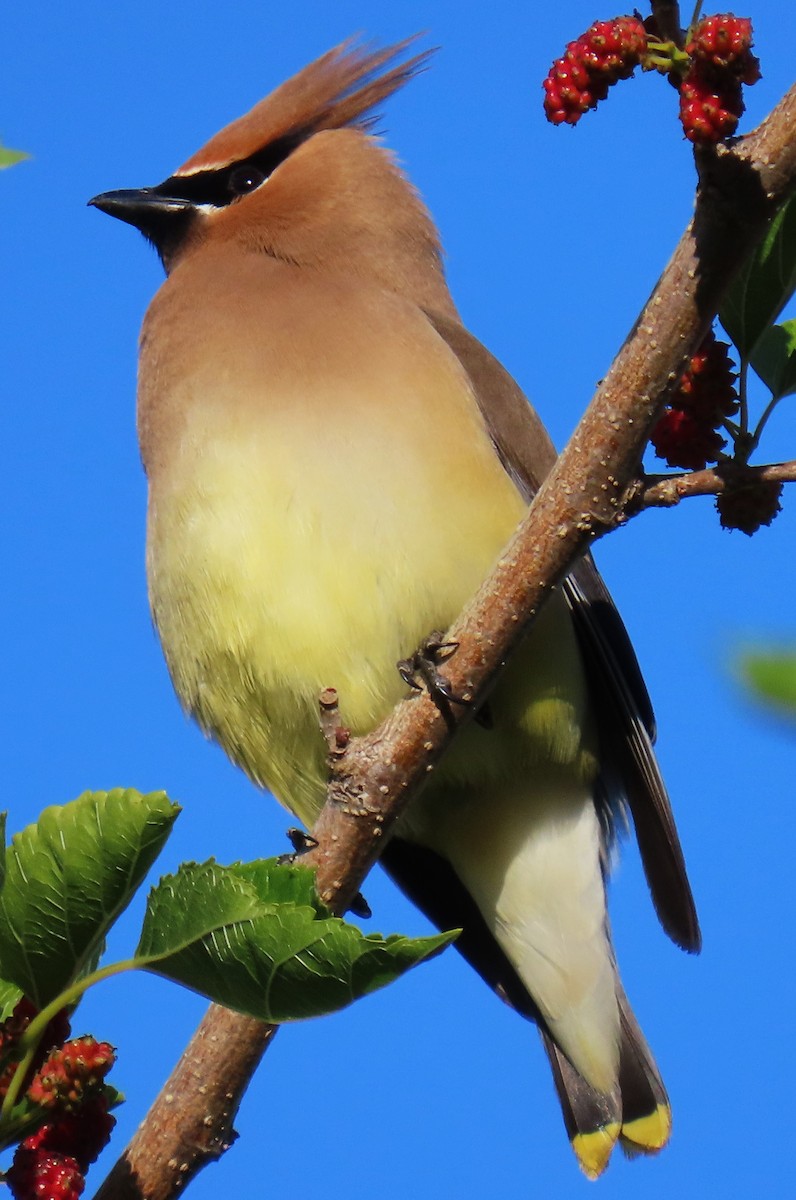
x=340 y=88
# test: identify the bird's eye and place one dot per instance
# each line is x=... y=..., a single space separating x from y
x=244 y=179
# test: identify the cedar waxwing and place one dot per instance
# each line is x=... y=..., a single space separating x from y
x=334 y=464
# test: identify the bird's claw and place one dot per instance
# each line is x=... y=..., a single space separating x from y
x=302 y=842
x=422 y=670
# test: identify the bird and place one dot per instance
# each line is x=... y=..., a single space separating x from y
x=334 y=463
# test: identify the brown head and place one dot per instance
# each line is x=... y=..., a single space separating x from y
x=301 y=178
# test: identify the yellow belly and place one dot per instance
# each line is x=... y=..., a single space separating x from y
x=270 y=583
x=310 y=533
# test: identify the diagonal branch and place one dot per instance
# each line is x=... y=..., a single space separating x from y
x=586 y=494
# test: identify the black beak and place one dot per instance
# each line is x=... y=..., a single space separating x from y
x=164 y=220
x=146 y=208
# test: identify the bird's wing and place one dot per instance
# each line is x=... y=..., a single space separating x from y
x=624 y=713
x=629 y=766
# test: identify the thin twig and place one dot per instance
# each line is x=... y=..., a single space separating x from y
x=664 y=491
x=334 y=733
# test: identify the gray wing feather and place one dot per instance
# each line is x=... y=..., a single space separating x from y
x=625 y=719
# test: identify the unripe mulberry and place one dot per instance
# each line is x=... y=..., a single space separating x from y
x=82 y=1135
x=682 y=441
x=724 y=40
x=71 y=1072
x=711 y=104
x=44 y=1176
x=12 y=1029
x=707 y=386
x=747 y=506
x=613 y=48
x=686 y=434
x=606 y=52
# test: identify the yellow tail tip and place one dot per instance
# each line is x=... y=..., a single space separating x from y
x=593 y=1150
x=651 y=1133
x=644 y=1135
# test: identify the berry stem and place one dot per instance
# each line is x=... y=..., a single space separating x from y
x=68 y=998
x=743 y=403
x=666 y=57
x=29 y=1042
x=761 y=424
x=697 y=13
x=15 y=1086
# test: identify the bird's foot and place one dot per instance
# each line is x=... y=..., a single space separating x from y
x=302 y=842
x=421 y=669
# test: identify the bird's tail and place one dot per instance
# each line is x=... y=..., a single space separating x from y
x=636 y=1115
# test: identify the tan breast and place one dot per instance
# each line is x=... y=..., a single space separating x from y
x=323 y=493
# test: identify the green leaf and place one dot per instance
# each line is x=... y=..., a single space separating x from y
x=774 y=359
x=68 y=877
x=9 y=994
x=9 y=157
x=772 y=676
x=255 y=938
x=765 y=283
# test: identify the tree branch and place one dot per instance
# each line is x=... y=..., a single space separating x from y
x=586 y=494
x=664 y=491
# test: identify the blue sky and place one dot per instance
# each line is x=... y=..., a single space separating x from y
x=554 y=239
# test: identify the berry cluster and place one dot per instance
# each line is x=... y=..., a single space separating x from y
x=67 y=1082
x=747 y=506
x=709 y=72
x=71 y=1073
x=607 y=52
x=725 y=41
x=45 y=1176
x=12 y=1029
x=711 y=100
x=51 y=1163
x=686 y=434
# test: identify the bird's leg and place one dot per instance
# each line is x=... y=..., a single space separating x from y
x=302 y=842
x=421 y=669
